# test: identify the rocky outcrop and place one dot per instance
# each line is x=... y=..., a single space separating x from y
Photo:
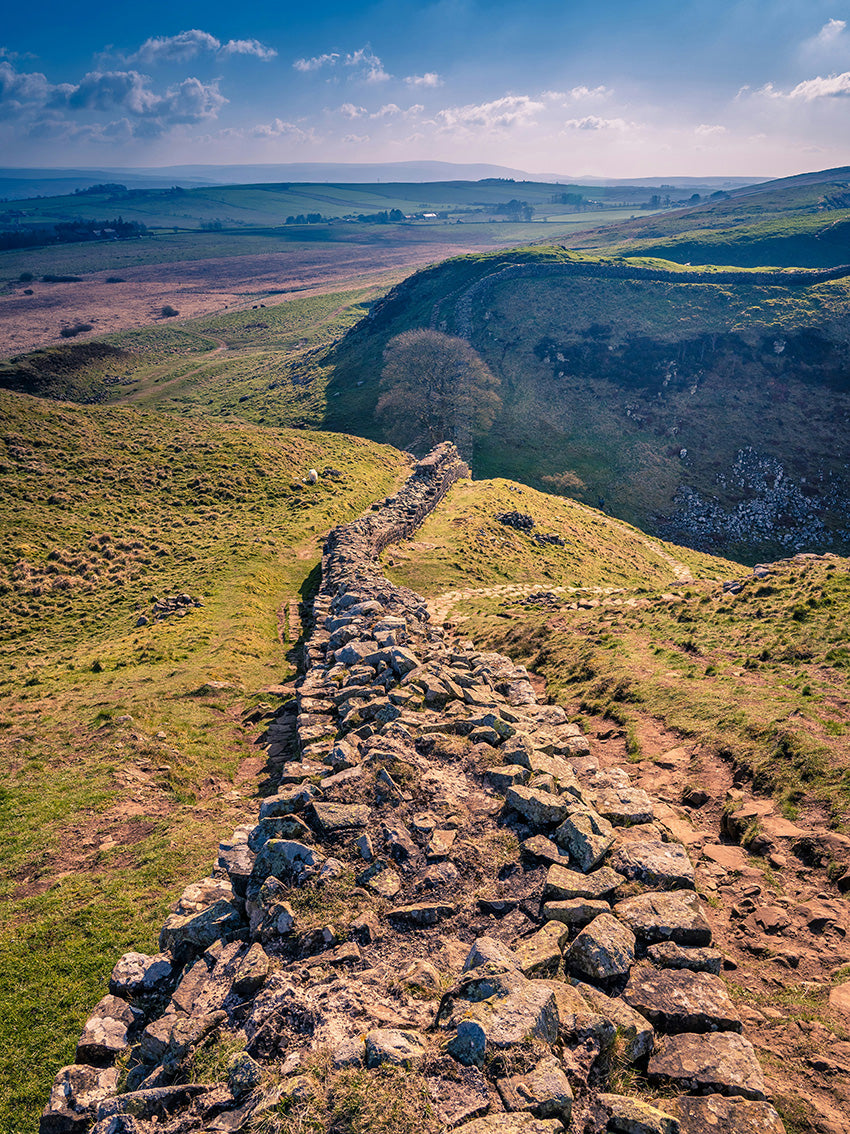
x=444 y=887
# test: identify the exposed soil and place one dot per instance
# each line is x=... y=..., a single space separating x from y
x=782 y=926
x=197 y=288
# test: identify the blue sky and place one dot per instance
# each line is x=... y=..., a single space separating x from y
x=616 y=89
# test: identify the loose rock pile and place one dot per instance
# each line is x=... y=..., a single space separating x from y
x=445 y=883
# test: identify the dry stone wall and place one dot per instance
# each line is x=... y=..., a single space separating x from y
x=444 y=882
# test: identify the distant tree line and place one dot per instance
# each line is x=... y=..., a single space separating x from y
x=106 y=187
x=72 y=232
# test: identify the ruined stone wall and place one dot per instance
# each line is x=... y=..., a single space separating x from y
x=443 y=882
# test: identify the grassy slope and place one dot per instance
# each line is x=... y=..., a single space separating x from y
x=787 y=224
x=760 y=676
x=116 y=778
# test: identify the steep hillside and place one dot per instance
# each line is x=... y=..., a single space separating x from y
x=702 y=405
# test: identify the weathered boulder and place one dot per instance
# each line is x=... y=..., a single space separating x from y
x=334 y=818
x=74 y=1098
x=562 y=884
x=422 y=913
x=668 y=955
x=624 y=806
x=539 y=808
x=499 y=1011
x=540 y=954
x=635 y=1116
x=277 y=827
x=222 y=921
x=664 y=866
x=545 y=1092
x=667 y=916
x=288 y=801
x=678 y=1000
x=635 y=1031
x=575 y=911
x=291 y=861
x=722 y=1062
x=390 y=1045
x=603 y=951
x=586 y=836
x=137 y=974
x=708 y=1114
x=517 y=1123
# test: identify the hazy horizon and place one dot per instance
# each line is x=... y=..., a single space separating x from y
x=668 y=89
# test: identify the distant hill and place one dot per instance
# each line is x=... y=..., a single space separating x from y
x=797 y=221
x=704 y=406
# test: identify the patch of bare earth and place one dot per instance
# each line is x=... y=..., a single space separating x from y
x=783 y=927
x=196 y=288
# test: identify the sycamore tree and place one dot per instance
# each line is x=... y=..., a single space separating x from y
x=434 y=388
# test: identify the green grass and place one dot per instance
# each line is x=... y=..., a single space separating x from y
x=759 y=678
x=117 y=773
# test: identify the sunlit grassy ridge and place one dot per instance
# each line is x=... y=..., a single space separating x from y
x=759 y=676
x=117 y=772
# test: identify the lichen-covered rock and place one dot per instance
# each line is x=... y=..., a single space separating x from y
x=539 y=808
x=563 y=884
x=710 y=1114
x=540 y=954
x=635 y=1116
x=333 y=818
x=586 y=837
x=545 y=1092
x=668 y=916
x=390 y=1045
x=222 y=921
x=243 y=1074
x=137 y=974
x=603 y=951
x=516 y=1123
x=678 y=1000
x=74 y=1097
x=664 y=866
x=668 y=955
x=624 y=806
x=722 y=1062
x=575 y=911
x=635 y=1031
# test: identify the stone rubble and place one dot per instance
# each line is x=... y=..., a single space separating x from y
x=442 y=883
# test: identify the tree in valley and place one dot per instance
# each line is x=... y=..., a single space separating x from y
x=434 y=388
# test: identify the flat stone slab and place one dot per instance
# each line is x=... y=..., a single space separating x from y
x=624 y=806
x=665 y=916
x=575 y=911
x=710 y=1114
x=540 y=954
x=400 y=1048
x=545 y=1092
x=422 y=914
x=678 y=1000
x=517 y=1123
x=668 y=955
x=635 y=1116
x=333 y=817
x=664 y=866
x=563 y=884
x=721 y=1062
x=603 y=951
x=539 y=847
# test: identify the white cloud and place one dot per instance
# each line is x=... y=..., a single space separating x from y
x=391 y=110
x=594 y=122
x=370 y=68
x=349 y=110
x=582 y=92
x=189 y=44
x=429 y=79
x=187 y=101
x=704 y=130
x=355 y=139
x=19 y=89
x=248 y=47
x=317 y=62
x=277 y=128
x=832 y=86
x=500 y=114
